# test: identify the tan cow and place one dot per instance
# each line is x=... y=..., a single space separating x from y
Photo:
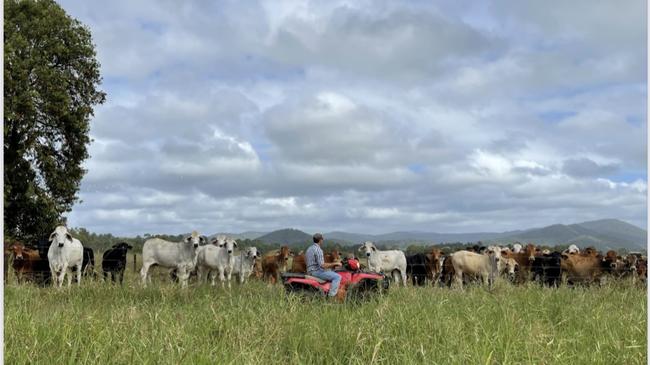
x=274 y=264
x=299 y=265
x=581 y=268
x=484 y=266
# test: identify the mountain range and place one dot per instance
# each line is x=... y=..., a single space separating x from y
x=604 y=234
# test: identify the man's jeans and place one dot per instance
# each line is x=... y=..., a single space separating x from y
x=328 y=275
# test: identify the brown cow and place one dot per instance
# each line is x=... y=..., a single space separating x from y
x=524 y=261
x=448 y=271
x=23 y=260
x=299 y=264
x=642 y=268
x=433 y=266
x=273 y=264
x=582 y=268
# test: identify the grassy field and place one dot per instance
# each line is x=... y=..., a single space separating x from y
x=257 y=324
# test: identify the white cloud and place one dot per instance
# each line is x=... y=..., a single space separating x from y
x=366 y=116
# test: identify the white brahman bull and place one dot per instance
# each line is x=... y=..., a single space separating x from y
x=385 y=261
x=517 y=248
x=245 y=263
x=174 y=255
x=485 y=266
x=64 y=254
x=220 y=255
x=572 y=249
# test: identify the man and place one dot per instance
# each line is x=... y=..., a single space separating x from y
x=317 y=267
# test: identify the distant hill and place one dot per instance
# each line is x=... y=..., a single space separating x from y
x=604 y=234
x=416 y=237
x=287 y=236
x=251 y=235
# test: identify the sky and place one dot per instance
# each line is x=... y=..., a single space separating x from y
x=365 y=116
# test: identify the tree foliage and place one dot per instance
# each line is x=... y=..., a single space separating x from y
x=51 y=84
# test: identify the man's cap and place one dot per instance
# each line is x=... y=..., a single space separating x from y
x=317 y=237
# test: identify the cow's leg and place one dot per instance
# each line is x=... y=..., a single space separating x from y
x=144 y=271
x=183 y=276
x=53 y=275
x=222 y=277
x=229 y=276
x=62 y=275
x=458 y=278
x=79 y=275
x=120 y=274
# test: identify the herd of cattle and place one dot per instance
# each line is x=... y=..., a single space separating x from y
x=62 y=255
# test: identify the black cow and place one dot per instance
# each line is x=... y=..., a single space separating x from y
x=546 y=269
x=87 y=265
x=416 y=267
x=42 y=273
x=114 y=261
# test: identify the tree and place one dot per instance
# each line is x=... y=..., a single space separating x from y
x=51 y=84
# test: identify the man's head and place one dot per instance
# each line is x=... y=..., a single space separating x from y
x=318 y=238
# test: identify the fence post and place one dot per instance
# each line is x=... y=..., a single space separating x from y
x=134 y=260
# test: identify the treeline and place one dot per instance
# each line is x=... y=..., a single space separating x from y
x=101 y=242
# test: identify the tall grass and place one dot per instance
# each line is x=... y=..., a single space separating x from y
x=253 y=324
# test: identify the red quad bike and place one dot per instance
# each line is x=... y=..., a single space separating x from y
x=357 y=283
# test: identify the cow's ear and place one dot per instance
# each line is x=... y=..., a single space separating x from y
x=374 y=248
x=203 y=239
x=52 y=236
x=234 y=243
x=361 y=248
x=68 y=236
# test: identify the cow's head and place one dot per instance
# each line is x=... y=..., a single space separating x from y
x=17 y=249
x=590 y=251
x=195 y=239
x=285 y=253
x=60 y=236
x=123 y=246
x=611 y=259
x=251 y=253
x=229 y=244
x=368 y=248
x=530 y=251
x=573 y=249
x=511 y=267
x=336 y=255
x=517 y=248
x=493 y=251
x=630 y=262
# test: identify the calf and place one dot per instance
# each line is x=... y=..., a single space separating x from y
x=114 y=261
x=546 y=269
x=65 y=253
x=219 y=256
x=245 y=264
x=389 y=262
x=178 y=255
x=416 y=268
x=23 y=260
x=272 y=264
x=434 y=265
x=300 y=266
